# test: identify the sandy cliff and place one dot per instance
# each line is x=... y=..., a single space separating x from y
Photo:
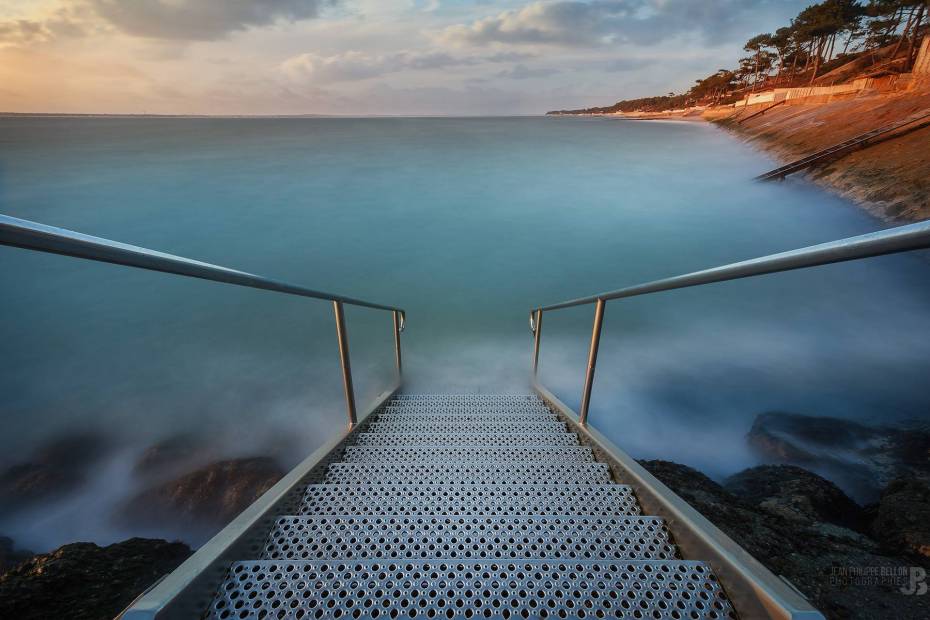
x=890 y=179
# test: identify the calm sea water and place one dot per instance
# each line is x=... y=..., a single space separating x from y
x=466 y=223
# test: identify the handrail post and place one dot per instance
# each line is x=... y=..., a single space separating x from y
x=344 y=358
x=536 y=338
x=398 y=327
x=592 y=361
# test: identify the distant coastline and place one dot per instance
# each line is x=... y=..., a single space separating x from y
x=890 y=180
x=127 y=115
x=836 y=71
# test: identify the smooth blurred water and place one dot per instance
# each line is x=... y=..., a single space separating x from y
x=466 y=223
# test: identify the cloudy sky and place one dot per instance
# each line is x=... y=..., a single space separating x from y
x=363 y=56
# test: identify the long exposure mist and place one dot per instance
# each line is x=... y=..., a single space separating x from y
x=467 y=224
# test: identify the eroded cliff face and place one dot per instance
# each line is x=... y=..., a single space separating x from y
x=890 y=179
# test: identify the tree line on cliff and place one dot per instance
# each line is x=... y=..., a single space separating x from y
x=820 y=38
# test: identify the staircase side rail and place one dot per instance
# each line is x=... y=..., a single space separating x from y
x=751 y=585
x=895 y=240
x=35 y=236
x=186 y=591
x=26 y=234
x=753 y=589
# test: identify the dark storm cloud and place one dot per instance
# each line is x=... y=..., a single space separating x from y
x=201 y=19
x=584 y=24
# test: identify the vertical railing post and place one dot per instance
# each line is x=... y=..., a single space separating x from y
x=344 y=357
x=398 y=327
x=592 y=361
x=536 y=336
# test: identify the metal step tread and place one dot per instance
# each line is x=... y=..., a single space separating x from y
x=477 y=499
x=466 y=439
x=466 y=507
x=469 y=537
x=533 y=405
x=470 y=589
x=468 y=413
x=464 y=414
x=455 y=409
x=357 y=454
x=488 y=425
x=426 y=472
x=456 y=405
x=468 y=397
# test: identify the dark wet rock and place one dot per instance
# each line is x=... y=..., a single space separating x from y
x=10 y=556
x=209 y=496
x=170 y=455
x=862 y=459
x=56 y=468
x=823 y=560
x=902 y=517
x=760 y=533
x=796 y=494
x=82 y=581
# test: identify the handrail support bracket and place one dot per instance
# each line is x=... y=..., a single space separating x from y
x=592 y=361
x=398 y=327
x=343 y=337
x=537 y=335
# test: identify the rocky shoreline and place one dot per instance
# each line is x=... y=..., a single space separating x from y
x=178 y=489
x=82 y=581
x=807 y=530
x=179 y=484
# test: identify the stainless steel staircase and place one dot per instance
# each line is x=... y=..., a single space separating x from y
x=444 y=506
x=468 y=507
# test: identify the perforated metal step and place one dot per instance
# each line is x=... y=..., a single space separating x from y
x=491 y=405
x=480 y=500
x=470 y=589
x=458 y=413
x=469 y=538
x=476 y=418
x=489 y=425
x=473 y=413
x=426 y=472
x=442 y=455
x=489 y=440
x=471 y=398
x=468 y=506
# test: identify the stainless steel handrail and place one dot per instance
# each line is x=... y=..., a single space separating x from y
x=755 y=591
x=892 y=241
x=184 y=592
x=19 y=233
